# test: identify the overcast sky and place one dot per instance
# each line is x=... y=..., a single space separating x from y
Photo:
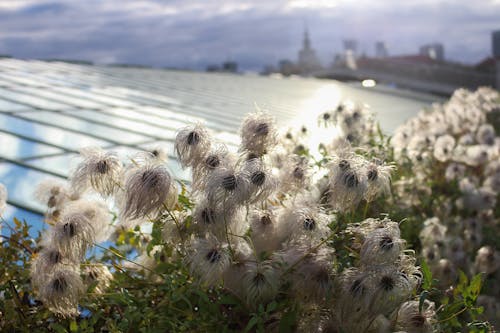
x=194 y=33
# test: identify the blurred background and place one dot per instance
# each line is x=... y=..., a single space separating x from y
x=431 y=45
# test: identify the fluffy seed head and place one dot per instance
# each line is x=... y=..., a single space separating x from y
x=192 y=144
x=99 y=169
x=147 y=189
x=61 y=291
x=258 y=133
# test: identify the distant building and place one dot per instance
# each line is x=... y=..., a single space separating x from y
x=434 y=51
x=287 y=67
x=227 y=67
x=381 y=50
x=230 y=66
x=351 y=47
x=495 y=43
x=308 y=61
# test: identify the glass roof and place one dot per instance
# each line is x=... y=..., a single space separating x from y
x=49 y=110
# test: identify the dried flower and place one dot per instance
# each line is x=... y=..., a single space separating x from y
x=99 y=169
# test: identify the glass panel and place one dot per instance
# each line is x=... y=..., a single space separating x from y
x=52 y=135
x=16 y=148
x=61 y=164
x=21 y=182
x=31 y=100
x=50 y=94
x=72 y=123
x=34 y=220
x=94 y=96
x=11 y=106
x=126 y=124
x=141 y=115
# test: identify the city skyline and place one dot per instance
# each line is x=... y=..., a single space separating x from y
x=193 y=34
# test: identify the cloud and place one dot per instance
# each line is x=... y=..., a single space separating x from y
x=192 y=33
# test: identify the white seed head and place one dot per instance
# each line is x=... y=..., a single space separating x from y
x=192 y=144
x=99 y=275
x=209 y=258
x=258 y=133
x=99 y=170
x=381 y=246
x=61 y=291
x=148 y=189
x=410 y=319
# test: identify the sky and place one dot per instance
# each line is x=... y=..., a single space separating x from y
x=195 y=33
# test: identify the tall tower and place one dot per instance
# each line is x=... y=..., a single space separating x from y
x=308 y=61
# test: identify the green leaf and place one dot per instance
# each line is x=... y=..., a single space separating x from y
x=58 y=328
x=73 y=326
x=251 y=323
x=427 y=283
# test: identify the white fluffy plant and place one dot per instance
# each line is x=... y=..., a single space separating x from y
x=454 y=152
x=260 y=223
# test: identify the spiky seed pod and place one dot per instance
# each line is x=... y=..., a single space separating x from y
x=45 y=262
x=487 y=260
x=260 y=282
x=99 y=275
x=486 y=134
x=381 y=246
x=216 y=219
x=264 y=227
x=217 y=157
x=312 y=277
x=99 y=169
x=227 y=187
x=300 y=221
x=347 y=184
x=294 y=175
x=262 y=183
x=392 y=287
x=192 y=144
x=148 y=189
x=409 y=318
x=61 y=291
x=3 y=198
x=354 y=293
x=82 y=224
x=209 y=258
x=258 y=133
x=54 y=194
x=378 y=181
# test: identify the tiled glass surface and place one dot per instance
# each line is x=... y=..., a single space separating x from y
x=46 y=133
x=61 y=164
x=14 y=147
x=75 y=124
x=29 y=99
x=63 y=107
x=20 y=182
x=58 y=97
x=136 y=126
x=11 y=106
x=146 y=117
x=35 y=220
